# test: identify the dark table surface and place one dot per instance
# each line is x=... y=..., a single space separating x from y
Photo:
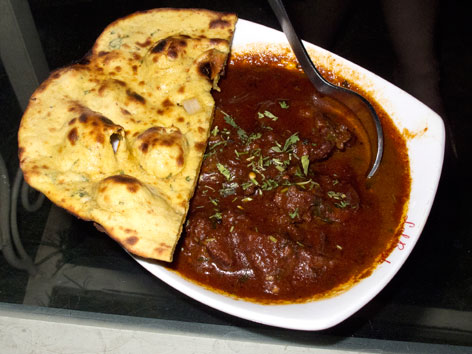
x=428 y=301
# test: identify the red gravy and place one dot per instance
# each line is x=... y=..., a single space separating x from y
x=282 y=211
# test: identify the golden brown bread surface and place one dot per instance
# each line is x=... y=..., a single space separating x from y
x=119 y=138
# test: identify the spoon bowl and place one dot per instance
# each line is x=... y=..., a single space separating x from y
x=354 y=108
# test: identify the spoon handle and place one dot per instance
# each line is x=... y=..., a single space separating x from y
x=297 y=46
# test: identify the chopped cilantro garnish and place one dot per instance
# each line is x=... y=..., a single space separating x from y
x=267 y=114
x=284 y=104
x=280 y=168
x=253 y=137
x=228 y=189
x=293 y=214
x=305 y=164
x=292 y=139
x=241 y=132
x=336 y=195
x=228 y=119
x=217 y=143
x=217 y=215
x=246 y=185
x=280 y=165
x=277 y=147
x=116 y=43
x=269 y=184
x=298 y=172
x=342 y=204
x=340 y=199
x=271 y=116
x=224 y=171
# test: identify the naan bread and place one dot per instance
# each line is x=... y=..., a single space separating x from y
x=119 y=137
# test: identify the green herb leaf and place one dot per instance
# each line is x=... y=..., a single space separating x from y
x=290 y=141
x=214 y=145
x=241 y=132
x=336 y=195
x=293 y=214
x=269 y=184
x=253 y=137
x=224 y=171
x=284 y=104
x=270 y=115
x=246 y=185
x=228 y=189
x=266 y=127
x=267 y=114
x=116 y=43
x=228 y=119
x=305 y=164
x=342 y=204
x=340 y=199
x=217 y=215
x=298 y=173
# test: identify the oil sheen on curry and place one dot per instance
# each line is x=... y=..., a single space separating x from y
x=282 y=211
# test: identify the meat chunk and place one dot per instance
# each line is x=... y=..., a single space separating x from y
x=294 y=201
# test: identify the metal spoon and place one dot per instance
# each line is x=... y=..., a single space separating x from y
x=358 y=105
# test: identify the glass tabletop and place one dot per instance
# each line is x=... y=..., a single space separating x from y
x=76 y=267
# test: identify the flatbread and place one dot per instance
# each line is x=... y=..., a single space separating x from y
x=119 y=137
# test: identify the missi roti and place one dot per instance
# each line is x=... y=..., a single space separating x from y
x=119 y=138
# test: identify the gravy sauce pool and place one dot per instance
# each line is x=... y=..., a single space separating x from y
x=282 y=211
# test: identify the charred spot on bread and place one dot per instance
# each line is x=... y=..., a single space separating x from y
x=132 y=184
x=220 y=23
x=173 y=46
x=205 y=69
x=144 y=44
x=135 y=96
x=160 y=46
x=73 y=136
x=132 y=240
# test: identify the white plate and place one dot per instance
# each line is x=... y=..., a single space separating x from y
x=426 y=139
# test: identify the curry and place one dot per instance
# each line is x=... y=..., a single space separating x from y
x=282 y=211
